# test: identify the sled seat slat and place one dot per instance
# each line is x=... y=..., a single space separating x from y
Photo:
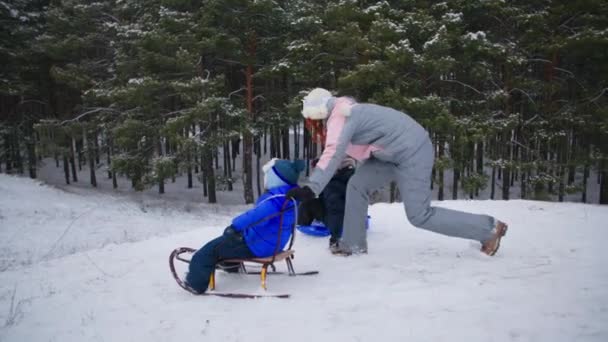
x=279 y=257
x=286 y=255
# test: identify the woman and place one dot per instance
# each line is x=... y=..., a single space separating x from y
x=392 y=147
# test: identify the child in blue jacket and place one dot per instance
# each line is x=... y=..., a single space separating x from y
x=254 y=233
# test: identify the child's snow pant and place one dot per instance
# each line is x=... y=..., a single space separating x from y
x=228 y=246
x=334 y=198
x=413 y=177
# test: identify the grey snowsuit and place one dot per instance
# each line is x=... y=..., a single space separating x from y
x=392 y=147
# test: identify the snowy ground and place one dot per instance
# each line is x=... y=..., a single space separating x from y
x=85 y=266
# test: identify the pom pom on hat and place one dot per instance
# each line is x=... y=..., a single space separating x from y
x=315 y=104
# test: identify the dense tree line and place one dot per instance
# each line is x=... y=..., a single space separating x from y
x=514 y=93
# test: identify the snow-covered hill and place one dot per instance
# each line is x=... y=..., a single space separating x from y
x=93 y=267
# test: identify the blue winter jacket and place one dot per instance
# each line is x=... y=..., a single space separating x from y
x=261 y=234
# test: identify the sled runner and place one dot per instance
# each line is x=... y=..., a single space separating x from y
x=286 y=255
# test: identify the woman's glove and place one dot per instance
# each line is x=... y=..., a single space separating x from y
x=301 y=194
x=310 y=210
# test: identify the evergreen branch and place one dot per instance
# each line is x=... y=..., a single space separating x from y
x=176 y=112
x=34 y=101
x=235 y=62
x=600 y=95
x=111 y=17
x=513 y=141
x=96 y=110
x=319 y=55
x=236 y=91
x=208 y=74
x=464 y=85
x=564 y=70
x=570 y=19
x=538 y=60
x=530 y=119
x=527 y=95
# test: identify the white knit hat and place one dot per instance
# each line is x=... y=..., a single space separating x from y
x=315 y=104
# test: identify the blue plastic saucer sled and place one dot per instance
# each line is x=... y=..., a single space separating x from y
x=317 y=228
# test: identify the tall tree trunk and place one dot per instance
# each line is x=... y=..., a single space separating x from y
x=506 y=182
x=440 y=176
x=66 y=169
x=493 y=183
x=31 y=154
x=273 y=146
x=161 y=177
x=456 y=169
x=18 y=159
x=113 y=173
x=194 y=150
x=506 y=171
x=109 y=157
x=189 y=168
x=161 y=185
x=571 y=174
x=296 y=141
x=8 y=154
x=258 y=148
x=209 y=174
x=603 y=182
x=3 y=153
x=114 y=181
x=455 y=184
x=480 y=157
x=247 y=138
x=572 y=141
x=286 y=152
x=235 y=151
x=204 y=174
x=91 y=158
x=247 y=168
x=228 y=165
x=216 y=158
x=265 y=142
x=550 y=170
x=523 y=179
x=522 y=184
x=561 y=189
x=585 y=182
x=80 y=155
x=73 y=161
x=479 y=162
x=226 y=158
x=96 y=145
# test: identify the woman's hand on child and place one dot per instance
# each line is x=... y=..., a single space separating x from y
x=301 y=194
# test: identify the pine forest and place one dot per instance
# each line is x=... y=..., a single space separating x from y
x=513 y=93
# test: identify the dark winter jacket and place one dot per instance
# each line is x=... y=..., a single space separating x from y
x=261 y=234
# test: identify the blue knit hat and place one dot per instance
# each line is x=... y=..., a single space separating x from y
x=288 y=171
